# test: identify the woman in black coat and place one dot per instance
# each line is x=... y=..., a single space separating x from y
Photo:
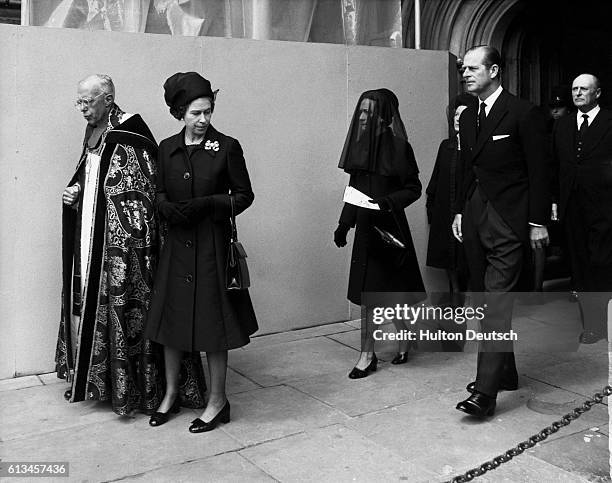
x=443 y=250
x=382 y=166
x=191 y=310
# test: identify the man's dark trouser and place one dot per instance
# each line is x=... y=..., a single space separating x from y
x=495 y=257
x=589 y=239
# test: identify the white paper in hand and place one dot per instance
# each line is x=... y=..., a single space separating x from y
x=357 y=198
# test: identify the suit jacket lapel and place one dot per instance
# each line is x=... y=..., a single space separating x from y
x=596 y=131
x=496 y=114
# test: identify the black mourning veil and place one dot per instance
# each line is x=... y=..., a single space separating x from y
x=376 y=141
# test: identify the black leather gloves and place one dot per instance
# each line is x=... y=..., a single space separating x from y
x=171 y=213
x=196 y=209
x=340 y=234
x=383 y=203
x=188 y=212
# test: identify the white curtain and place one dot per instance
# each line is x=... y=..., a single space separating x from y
x=354 y=22
x=119 y=15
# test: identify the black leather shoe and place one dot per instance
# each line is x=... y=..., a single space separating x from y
x=471 y=387
x=478 y=404
x=157 y=418
x=358 y=373
x=223 y=416
x=400 y=358
x=589 y=337
x=68 y=394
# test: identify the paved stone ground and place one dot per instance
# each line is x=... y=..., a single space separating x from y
x=297 y=417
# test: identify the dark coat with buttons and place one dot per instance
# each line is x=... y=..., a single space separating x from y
x=442 y=249
x=375 y=265
x=585 y=201
x=591 y=167
x=191 y=310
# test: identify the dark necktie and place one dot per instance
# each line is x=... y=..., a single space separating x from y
x=482 y=116
x=584 y=126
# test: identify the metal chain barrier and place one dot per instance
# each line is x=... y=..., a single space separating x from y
x=535 y=439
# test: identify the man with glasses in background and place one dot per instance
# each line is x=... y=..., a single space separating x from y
x=109 y=246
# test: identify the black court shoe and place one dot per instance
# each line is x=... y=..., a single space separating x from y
x=358 y=373
x=223 y=416
x=590 y=337
x=157 y=418
x=68 y=394
x=400 y=358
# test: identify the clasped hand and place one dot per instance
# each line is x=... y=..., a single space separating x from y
x=71 y=194
x=538 y=236
x=456 y=227
x=186 y=212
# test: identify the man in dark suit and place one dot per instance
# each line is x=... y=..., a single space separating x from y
x=582 y=146
x=503 y=205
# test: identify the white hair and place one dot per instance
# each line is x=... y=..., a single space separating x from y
x=103 y=81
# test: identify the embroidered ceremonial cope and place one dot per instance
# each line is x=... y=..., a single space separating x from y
x=109 y=254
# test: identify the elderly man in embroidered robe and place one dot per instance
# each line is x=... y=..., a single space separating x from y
x=109 y=247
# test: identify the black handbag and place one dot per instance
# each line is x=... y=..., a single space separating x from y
x=236 y=270
x=394 y=245
x=389 y=239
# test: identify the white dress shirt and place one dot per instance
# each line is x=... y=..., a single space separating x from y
x=592 y=113
x=489 y=101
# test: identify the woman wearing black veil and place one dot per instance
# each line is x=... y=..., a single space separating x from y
x=382 y=166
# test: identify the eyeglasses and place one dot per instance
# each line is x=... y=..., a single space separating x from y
x=85 y=102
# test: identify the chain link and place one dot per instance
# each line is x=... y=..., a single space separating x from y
x=533 y=440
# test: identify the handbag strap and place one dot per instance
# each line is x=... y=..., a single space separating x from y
x=233 y=221
x=399 y=225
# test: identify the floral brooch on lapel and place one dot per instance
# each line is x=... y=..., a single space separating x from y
x=208 y=145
